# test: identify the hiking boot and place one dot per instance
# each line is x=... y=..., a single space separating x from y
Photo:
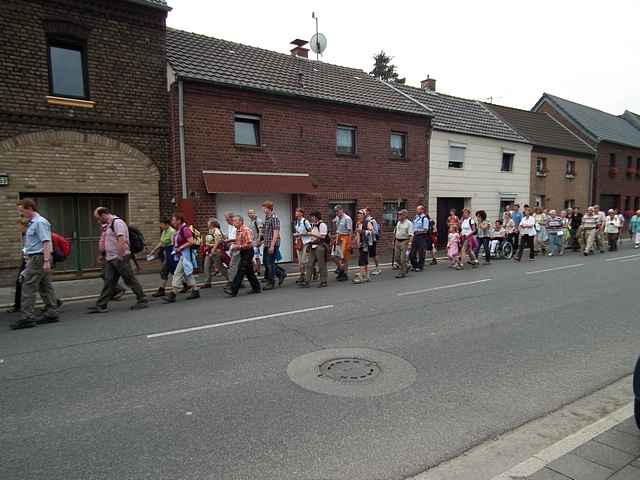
x=434 y=261
x=357 y=279
x=47 y=318
x=170 y=298
x=269 y=286
x=119 y=294
x=322 y=285
x=13 y=309
x=401 y=275
x=22 y=323
x=98 y=309
x=159 y=293
x=140 y=305
x=58 y=303
x=230 y=292
x=193 y=295
x=376 y=271
x=459 y=267
x=304 y=284
x=281 y=279
x=343 y=277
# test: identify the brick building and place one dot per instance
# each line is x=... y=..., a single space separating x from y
x=84 y=118
x=561 y=162
x=616 y=182
x=264 y=125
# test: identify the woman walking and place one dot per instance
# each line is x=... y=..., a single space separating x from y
x=484 y=235
x=612 y=226
x=468 y=228
x=214 y=242
x=363 y=237
x=182 y=251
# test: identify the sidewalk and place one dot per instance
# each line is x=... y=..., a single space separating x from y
x=612 y=455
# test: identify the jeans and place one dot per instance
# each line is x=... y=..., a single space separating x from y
x=484 y=242
x=271 y=269
x=113 y=270
x=555 y=242
x=245 y=269
x=418 y=251
x=36 y=280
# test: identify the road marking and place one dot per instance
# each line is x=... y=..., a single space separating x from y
x=237 y=322
x=622 y=258
x=442 y=287
x=566 y=267
x=629 y=260
x=566 y=445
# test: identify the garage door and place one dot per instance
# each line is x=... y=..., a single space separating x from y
x=239 y=204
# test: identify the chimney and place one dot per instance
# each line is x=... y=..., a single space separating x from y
x=299 y=50
x=428 y=84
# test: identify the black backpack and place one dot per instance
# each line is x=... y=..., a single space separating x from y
x=136 y=238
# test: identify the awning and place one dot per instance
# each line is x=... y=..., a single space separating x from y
x=218 y=181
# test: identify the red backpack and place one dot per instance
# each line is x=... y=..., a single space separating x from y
x=61 y=247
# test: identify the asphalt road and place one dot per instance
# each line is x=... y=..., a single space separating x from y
x=94 y=397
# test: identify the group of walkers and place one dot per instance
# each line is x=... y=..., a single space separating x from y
x=241 y=248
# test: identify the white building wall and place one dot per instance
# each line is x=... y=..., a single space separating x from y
x=480 y=181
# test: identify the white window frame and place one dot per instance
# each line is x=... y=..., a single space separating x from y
x=464 y=155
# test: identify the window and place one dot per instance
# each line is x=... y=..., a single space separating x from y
x=629 y=161
x=390 y=212
x=346 y=140
x=541 y=166
x=247 y=130
x=571 y=168
x=507 y=162
x=569 y=204
x=539 y=201
x=638 y=165
x=636 y=204
x=456 y=156
x=612 y=160
x=67 y=68
x=349 y=208
x=398 y=145
x=627 y=203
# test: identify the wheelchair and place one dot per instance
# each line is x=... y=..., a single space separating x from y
x=504 y=249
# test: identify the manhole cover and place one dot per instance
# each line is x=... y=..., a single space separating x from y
x=349 y=370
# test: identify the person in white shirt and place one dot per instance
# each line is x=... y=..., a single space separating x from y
x=234 y=255
x=302 y=239
x=318 y=250
x=612 y=226
x=528 y=232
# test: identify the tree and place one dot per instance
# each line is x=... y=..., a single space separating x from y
x=384 y=69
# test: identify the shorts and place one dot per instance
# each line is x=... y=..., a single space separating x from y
x=372 y=250
x=363 y=258
x=344 y=245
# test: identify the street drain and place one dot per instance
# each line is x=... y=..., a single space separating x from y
x=349 y=370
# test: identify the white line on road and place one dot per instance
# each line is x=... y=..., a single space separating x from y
x=237 y=322
x=442 y=287
x=629 y=260
x=566 y=267
x=622 y=258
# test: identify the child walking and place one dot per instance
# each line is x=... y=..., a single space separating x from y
x=453 y=247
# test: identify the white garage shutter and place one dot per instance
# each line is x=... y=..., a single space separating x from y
x=240 y=203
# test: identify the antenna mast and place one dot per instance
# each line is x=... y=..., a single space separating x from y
x=315 y=17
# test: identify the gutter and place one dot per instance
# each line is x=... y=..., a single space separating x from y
x=183 y=161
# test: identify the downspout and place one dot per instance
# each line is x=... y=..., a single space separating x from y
x=183 y=161
x=591 y=174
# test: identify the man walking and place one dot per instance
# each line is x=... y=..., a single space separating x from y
x=318 y=250
x=182 y=246
x=244 y=246
x=575 y=223
x=589 y=230
x=117 y=256
x=271 y=241
x=527 y=229
x=234 y=259
x=342 y=243
x=600 y=227
x=634 y=229
x=516 y=216
x=302 y=241
x=403 y=234
x=421 y=238
x=554 y=225
x=36 y=276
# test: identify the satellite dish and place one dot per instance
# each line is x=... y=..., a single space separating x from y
x=318 y=43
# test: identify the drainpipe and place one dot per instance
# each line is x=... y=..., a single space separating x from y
x=183 y=161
